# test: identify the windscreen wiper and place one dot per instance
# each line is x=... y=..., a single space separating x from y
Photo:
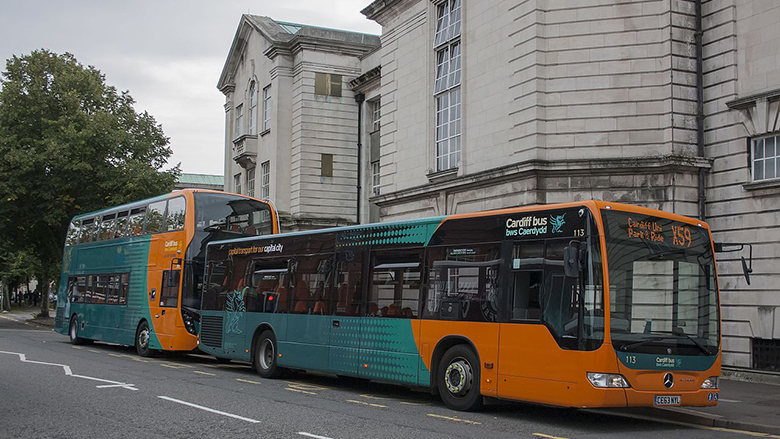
x=627 y=347
x=680 y=332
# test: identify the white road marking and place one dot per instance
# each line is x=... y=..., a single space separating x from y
x=728 y=400
x=450 y=418
x=69 y=372
x=303 y=433
x=254 y=421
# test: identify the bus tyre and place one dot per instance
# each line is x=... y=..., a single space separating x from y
x=73 y=332
x=265 y=355
x=458 y=379
x=143 y=339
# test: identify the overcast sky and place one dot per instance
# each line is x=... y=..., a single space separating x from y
x=167 y=53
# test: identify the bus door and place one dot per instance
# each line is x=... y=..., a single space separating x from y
x=345 y=320
x=165 y=303
x=309 y=322
x=390 y=320
x=538 y=348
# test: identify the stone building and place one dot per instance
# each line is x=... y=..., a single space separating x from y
x=291 y=121
x=472 y=105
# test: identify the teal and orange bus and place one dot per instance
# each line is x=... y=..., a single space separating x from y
x=587 y=304
x=132 y=274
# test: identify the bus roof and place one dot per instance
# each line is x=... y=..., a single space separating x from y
x=133 y=204
x=596 y=205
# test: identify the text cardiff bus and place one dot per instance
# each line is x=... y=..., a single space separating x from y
x=133 y=274
x=587 y=304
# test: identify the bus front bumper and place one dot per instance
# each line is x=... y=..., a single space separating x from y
x=670 y=398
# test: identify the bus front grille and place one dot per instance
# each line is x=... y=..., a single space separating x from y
x=211 y=331
x=59 y=317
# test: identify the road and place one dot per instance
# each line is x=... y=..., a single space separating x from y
x=51 y=389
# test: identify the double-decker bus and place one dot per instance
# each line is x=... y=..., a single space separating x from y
x=133 y=274
x=587 y=304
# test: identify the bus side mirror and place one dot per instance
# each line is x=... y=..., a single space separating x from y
x=571 y=262
x=725 y=247
x=745 y=270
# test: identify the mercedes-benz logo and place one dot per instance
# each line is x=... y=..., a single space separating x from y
x=668 y=380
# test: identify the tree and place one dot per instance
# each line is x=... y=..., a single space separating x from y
x=69 y=143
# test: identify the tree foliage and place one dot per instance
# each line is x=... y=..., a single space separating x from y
x=69 y=143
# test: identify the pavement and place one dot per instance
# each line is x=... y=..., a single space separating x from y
x=325 y=407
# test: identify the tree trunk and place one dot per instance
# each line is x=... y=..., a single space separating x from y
x=6 y=296
x=43 y=288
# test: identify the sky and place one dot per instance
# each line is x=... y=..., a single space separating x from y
x=167 y=53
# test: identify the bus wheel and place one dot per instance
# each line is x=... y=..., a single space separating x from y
x=265 y=355
x=458 y=379
x=142 y=340
x=73 y=332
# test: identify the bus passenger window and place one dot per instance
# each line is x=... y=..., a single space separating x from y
x=87 y=226
x=112 y=292
x=120 y=231
x=169 y=296
x=123 y=289
x=136 y=221
x=395 y=284
x=269 y=280
x=174 y=218
x=312 y=284
x=73 y=232
x=107 y=227
x=77 y=289
x=155 y=217
x=348 y=284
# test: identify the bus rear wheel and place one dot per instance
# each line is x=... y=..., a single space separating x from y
x=458 y=379
x=143 y=338
x=265 y=356
x=73 y=332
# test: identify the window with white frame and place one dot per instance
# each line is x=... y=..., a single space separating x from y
x=237 y=183
x=252 y=108
x=250 y=182
x=375 y=178
x=265 y=173
x=240 y=120
x=376 y=113
x=447 y=45
x=766 y=158
x=267 y=108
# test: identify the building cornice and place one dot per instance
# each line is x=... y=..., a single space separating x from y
x=383 y=11
x=366 y=80
x=749 y=101
x=544 y=169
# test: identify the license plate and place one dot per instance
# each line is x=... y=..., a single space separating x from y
x=667 y=400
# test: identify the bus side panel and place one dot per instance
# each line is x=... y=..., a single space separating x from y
x=306 y=343
x=483 y=336
x=388 y=349
x=111 y=323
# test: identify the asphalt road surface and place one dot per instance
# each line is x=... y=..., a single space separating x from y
x=51 y=389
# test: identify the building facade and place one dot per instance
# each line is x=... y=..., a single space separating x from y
x=291 y=121
x=671 y=104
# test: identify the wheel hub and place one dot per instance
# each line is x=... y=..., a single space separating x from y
x=266 y=354
x=143 y=338
x=458 y=377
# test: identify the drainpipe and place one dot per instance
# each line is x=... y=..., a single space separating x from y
x=700 y=110
x=359 y=98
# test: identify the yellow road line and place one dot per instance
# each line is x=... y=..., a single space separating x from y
x=306 y=386
x=77 y=347
x=94 y=350
x=204 y=373
x=367 y=403
x=299 y=391
x=181 y=365
x=547 y=436
x=115 y=355
x=170 y=366
x=450 y=418
x=247 y=381
x=372 y=396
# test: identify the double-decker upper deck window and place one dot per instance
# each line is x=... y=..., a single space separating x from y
x=766 y=158
x=174 y=218
x=447 y=45
x=155 y=217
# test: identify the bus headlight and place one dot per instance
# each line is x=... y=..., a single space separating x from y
x=189 y=321
x=710 y=383
x=607 y=380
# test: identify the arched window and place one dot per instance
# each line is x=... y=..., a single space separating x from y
x=252 y=108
